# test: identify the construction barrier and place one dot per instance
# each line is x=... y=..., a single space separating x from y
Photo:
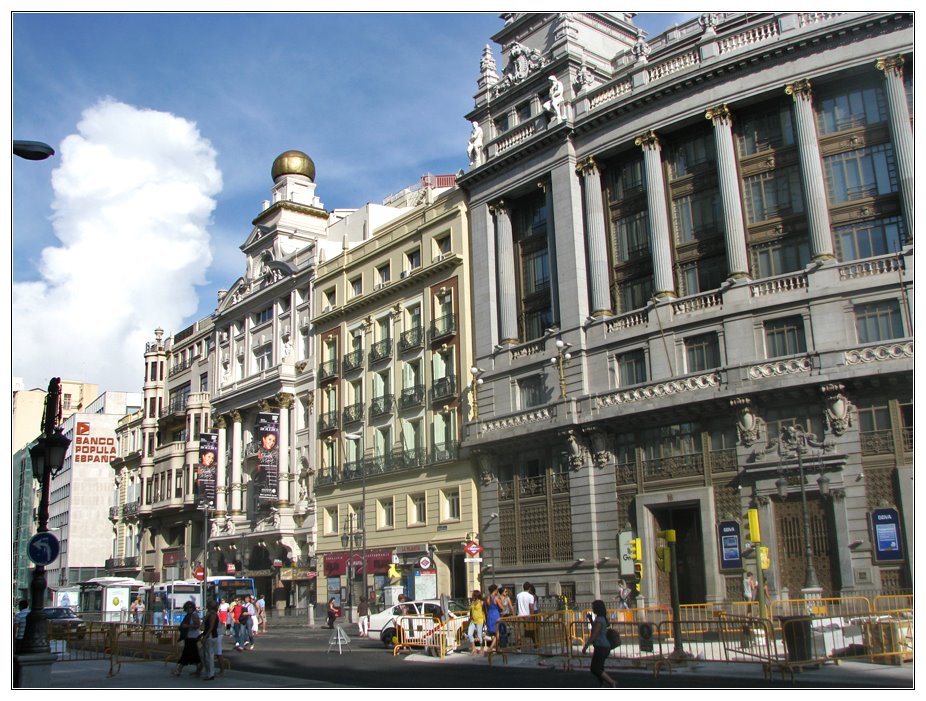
x=418 y=632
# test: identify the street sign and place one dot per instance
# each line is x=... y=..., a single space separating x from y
x=425 y=563
x=473 y=548
x=200 y=574
x=472 y=559
x=44 y=548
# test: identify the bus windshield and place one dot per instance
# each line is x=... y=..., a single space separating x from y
x=231 y=588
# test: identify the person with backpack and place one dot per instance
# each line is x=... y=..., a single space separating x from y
x=598 y=639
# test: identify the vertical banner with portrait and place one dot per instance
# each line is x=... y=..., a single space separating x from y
x=204 y=487
x=267 y=474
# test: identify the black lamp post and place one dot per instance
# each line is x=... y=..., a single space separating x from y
x=47 y=459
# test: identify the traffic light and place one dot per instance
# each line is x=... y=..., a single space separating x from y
x=754 y=534
x=664 y=558
x=638 y=572
x=764 y=561
x=636 y=550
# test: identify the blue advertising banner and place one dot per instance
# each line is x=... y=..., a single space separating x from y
x=885 y=534
x=731 y=554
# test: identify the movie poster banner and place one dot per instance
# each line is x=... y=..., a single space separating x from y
x=204 y=487
x=267 y=473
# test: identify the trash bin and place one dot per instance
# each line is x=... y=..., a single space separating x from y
x=798 y=637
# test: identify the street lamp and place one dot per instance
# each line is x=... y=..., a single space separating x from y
x=795 y=440
x=562 y=355
x=47 y=459
x=477 y=373
x=361 y=533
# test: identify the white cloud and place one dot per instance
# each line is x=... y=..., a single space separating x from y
x=133 y=198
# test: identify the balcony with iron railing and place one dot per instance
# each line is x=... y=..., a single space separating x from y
x=352 y=413
x=381 y=350
x=175 y=407
x=412 y=397
x=327 y=370
x=444 y=388
x=131 y=508
x=352 y=360
x=121 y=563
x=444 y=452
x=328 y=422
x=877 y=442
x=381 y=405
x=673 y=466
x=353 y=469
x=413 y=338
x=114 y=512
x=443 y=327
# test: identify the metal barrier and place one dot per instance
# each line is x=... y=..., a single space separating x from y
x=893 y=603
x=537 y=634
x=418 y=632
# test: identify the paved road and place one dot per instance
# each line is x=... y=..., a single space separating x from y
x=299 y=657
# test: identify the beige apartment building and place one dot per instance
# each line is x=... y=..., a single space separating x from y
x=392 y=326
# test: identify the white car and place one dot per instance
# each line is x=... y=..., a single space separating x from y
x=382 y=624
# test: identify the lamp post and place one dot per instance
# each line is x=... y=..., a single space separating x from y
x=347 y=540
x=47 y=459
x=361 y=532
x=795 y=440
x=562 y=355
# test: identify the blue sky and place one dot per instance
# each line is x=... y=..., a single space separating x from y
x=198 y=105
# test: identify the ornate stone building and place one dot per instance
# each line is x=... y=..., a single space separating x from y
x=685 y=246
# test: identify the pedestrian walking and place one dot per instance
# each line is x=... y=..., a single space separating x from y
x=477 y=619
x=236 y=622
x=598 y=639
x=526 y=600
x=363 y=614
x=244 y=639
x=210 y=639
x=493 y=613
x=189 y=634
x=157 y=612
x=261 y=613
x=224 y=616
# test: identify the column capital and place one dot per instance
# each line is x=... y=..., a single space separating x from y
x=891 y=64
x=235 y=416
x=647 y=140
x=799 y=89
x=264 y=405
x=285 y=399
x=719 y=114
x=588 y=166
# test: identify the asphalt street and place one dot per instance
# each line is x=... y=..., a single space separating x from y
x=301 y=657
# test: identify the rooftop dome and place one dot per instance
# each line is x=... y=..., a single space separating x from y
x=293 y=163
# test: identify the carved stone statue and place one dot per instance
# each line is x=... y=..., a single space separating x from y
x=556 y=105
x=476 y=155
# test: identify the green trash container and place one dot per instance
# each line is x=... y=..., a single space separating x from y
x=798 y=637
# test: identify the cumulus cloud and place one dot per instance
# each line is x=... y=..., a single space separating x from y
x=133 y=198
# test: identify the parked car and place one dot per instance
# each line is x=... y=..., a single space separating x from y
x=62 y=617
x=383 y=624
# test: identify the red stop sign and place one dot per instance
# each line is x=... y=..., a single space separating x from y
x=200 y=574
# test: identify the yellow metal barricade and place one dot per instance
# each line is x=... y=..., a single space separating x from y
x=416 y=632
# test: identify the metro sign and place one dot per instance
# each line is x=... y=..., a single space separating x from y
x=473 y=548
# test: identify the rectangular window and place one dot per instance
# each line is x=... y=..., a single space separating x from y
x=450 y=504
x=865 y=172
x=876 y=237
x=501 y=124
x=263 y=316
x=524 y=112
x=779 y=257
x=634 y=293
x=331 y=520
x=418 y=511
x=383 y=274
x=386 y=513
x=331 y=299
x=765 y=131
x=631 y=368
x=701 y=275
x=530 y=391
x=204 y=382
x=413 y=259
x=632 y=238
x=773 y=194
x=263 y=357
x=854 y=108
x=784 y=337
x=702 y=352
x=692 y=155
x=443 y=244
x=697 y=216
x=878 y=321
x=356 y=286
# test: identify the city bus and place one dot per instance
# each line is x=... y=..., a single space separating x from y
x=174 y=595
x=108 y=598
x=229 y=587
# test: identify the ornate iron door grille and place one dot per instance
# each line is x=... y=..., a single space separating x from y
x=791 y=545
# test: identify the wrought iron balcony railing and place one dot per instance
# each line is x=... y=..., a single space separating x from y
x=327 y=370
x=381 y=405
x=411 y=397
x=413 y=338
x=443 y=327
x=381 y=350
x=353 y=412
x=444 y=388
x=352 y=360
x=328 y=422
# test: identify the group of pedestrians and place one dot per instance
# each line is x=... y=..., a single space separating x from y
x=485 y=614
x=202 y=642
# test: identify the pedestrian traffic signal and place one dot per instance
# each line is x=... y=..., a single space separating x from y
x=636 y=550
x=664 y=558
x=638 y=572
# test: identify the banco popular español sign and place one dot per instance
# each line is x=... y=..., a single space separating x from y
x=91 y=447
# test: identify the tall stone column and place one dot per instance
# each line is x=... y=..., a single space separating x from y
x=286 y=478
x=734 y=230
x=821 y=241
x=221 y=473
x=236 y=479
x=507 y=291
x=596 y=237
x=660 y=239
x=901 y=132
